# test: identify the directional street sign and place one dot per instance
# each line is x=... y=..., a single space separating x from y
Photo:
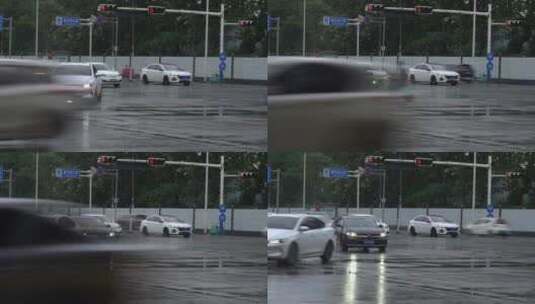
x=67 y=21
x=490 y=211
x=336 y=21
x=67 y=173
x=335 y=173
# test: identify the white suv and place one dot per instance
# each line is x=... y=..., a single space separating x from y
x=294 y=236
x=166 y=74
x=433 y=225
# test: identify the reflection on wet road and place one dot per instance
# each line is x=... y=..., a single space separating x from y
x=136 y=117
x=203 y=269
x=475 y=116
x=444 y=270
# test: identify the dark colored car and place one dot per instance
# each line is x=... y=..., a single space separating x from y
x=125 y=220
x=465 y=71
x=42 y=262
x=360 y=231
x=90 y=226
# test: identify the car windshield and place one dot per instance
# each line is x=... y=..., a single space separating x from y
x=172 y=219
x=97 y=217
x=360 y=222
x=88 y=221
x=101 y=67
x=438 y=218
x=436 y=67
x=282 y=222
x=81 y=70
x=171 y=67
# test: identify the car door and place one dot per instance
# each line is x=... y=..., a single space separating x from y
x=322 y=233
x=306 y=238
x=158 y=73
x=421 y=224
x=417 y=71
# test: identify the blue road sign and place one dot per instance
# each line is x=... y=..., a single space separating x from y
x=490 y=57
x=222 y=208
x=67 y=21
x=1 y=23
x=490 y=211
x=222 y=65
x=336 y=21
x=222 y=57
x=269 y=174
x=222 y=218
x=335 y=172
x=490 y=66
x=1 y=174
x=67 y=173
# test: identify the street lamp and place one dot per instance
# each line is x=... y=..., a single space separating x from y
x=304 y=26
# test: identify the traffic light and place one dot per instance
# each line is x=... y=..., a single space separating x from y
x=513 y=174
x=156 y=10
x=513 y=22
x=374 y=8
x=155 y=162
x=106 y=8
x=106 y=160
x=374 y=160
x=423 y=10
x=247 y=174
x=245 y=23
x=423 y=162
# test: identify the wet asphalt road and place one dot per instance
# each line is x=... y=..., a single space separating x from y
x=468 y=117
x=420 y=269
x=202 y=269
x=201 y=117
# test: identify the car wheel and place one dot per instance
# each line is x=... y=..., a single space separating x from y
x=382 y=249
x=165 y=232
x=145 y=231
x=434 y=232
x=293 y=255
x=145 y=79
x=433 y=80
x=186 y=83
x=413 y=231
x=327 y=253
x=116 y=85
x=453 y=83
x=165 y=80
x=454 y=235
x=412 y=78
x=187 y=235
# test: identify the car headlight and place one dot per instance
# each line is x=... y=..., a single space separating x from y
x=276 y=242
x=383 y=234
x=351 y=234
x=87 y=86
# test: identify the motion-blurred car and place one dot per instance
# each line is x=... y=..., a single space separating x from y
x=466 y=71
x=80 y=75
x=113 y=226
x=165 y=73
x=489 y=226
x=43 y=262
x=295 y=236
x=32 y=104
x=361 y=231
x=165 y=225
x=107 y=75
x=433 y=74
x=131 y=219
x=331 y=105
x=94 y=227
x=432 y=225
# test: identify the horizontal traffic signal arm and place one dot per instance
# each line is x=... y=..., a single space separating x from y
x=156 y=10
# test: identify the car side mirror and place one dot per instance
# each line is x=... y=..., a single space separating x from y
x=99 y=74
x=303 y=228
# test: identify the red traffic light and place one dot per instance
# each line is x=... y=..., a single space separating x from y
x=423 y=10
x=245 y=23
x=155 y=162
x=423 y=162
x=374 y=8
x=374 y=160
x=106 y=8
x=247 y=174
x=156 y=10
x=106 y=160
